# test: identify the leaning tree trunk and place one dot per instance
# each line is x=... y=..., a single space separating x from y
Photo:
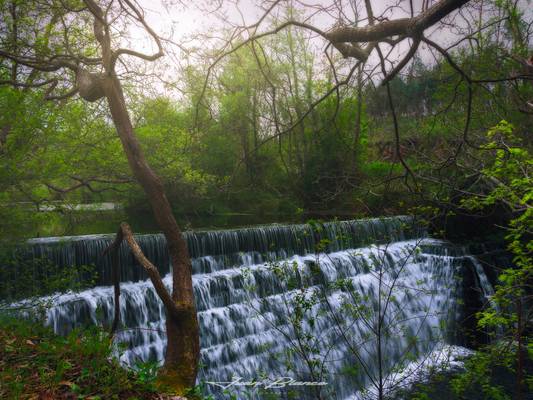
x=183 y=347
x=183 y=344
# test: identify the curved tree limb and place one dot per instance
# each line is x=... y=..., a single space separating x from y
x=139 y=17
x=402 y=63
x=396 y=27
x=125 y=233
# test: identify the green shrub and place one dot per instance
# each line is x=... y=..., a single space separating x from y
x=36 y=362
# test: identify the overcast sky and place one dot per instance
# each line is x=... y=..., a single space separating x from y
x=190 y=23
x=181 y=22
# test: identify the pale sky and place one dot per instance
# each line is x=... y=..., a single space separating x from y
x=192 y=23
x=181 y=22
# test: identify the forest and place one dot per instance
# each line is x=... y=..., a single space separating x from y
x=279 y=199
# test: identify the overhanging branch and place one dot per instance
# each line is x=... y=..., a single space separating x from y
x=125 y=233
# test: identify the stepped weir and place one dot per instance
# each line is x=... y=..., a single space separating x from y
x=304 y=302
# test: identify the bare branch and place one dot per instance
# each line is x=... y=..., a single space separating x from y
x=139 y=17
x=402 y=26
x=126 y=233
x=403 y=62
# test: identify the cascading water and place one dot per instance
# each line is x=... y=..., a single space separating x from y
x=212 y=250
x=251 y=284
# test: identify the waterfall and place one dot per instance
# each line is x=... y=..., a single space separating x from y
x=250 y=285
x=220 y=249
x=483 y=281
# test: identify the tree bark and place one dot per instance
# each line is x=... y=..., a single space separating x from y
x=183 y=346
x=358 y=112
x=519 y=352
x=394 y=27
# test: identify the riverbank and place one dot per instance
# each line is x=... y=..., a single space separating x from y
x=35 y=363
x=499 y=383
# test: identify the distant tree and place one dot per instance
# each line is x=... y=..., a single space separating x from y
x=363 y=36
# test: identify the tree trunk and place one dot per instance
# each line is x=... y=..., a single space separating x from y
x=358 y=112
x=6 y=129
x=183 y=347
x=519 y=352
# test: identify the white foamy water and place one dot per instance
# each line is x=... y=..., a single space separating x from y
x=245 y=308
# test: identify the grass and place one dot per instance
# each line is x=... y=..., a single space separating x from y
x=37 y=364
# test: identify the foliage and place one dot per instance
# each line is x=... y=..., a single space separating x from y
x=508 y=175
x=36 y=362
x=54 y=157
x=31 y=283
x=479 y=373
